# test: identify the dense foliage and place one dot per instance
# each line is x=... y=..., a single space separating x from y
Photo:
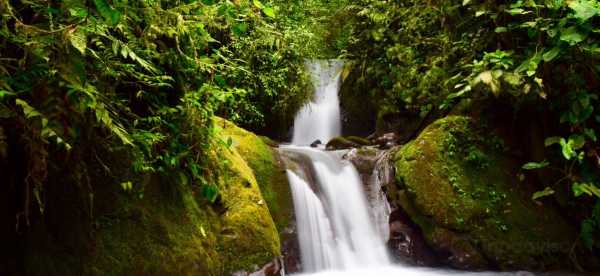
x=81 y=78
x=147 y=76
x=460 y=56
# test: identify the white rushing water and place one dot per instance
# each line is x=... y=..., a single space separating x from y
x=339 y=233
x=320 y=118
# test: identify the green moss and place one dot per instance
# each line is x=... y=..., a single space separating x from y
x=172 y=229
x=248 y=236
x=341 y=143
x=457 y=180
x=269 y=171
x=359 y=140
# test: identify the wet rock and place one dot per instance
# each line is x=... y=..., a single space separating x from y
x=364 y=159
x=290 y=249
x=386 y=141
x=315 y=144
x=406 y=241
x=340 y=142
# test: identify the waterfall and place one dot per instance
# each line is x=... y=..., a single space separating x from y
x=339 y=233
x=320 y=118
x=334 y=228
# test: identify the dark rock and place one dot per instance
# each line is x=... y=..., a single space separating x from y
x=404 y=123
x=364 y=159
x=290 y=249
x=358 y=109
x=315 y=144
x=406 y=241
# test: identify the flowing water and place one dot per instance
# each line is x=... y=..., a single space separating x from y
x=338 y=231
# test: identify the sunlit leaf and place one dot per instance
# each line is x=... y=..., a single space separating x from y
x=585 y=188
x=268 y=11
x=583 y=9
x=78 y=40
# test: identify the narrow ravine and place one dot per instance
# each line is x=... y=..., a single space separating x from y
x=338 y=231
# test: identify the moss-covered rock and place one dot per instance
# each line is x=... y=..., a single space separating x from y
x=340 y=142
x=163 y=226
x=259 y=154
x=455 y=182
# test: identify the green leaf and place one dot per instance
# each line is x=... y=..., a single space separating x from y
x=552 y=140
x=78 y=12
x=5 y=93
x=583 y=9
x=534 y=165
x=590 y=133
x=501 y=30
x=551 y=54
x=585 y=188
x=127 y=186
x=546 y=192
x=109 y=13
x=517 y=11
x=530 y=65
x=257 y=4
x=78 y=40
x=210 y=192
x=268 y=11
x=567 y=150
x=571 y=35
x=28 y=110
x=576 y=141
x=239 y=29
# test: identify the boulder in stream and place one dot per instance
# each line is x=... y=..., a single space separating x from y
x=458 y=186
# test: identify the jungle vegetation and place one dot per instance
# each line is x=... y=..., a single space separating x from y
x=82 y=77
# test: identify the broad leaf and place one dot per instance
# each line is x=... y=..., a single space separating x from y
x=583 y=9
x=572 y=35
x=268 y=11
x=78 y=40
x=546 y=192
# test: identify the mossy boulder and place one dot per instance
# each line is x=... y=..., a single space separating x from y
x=179 y=234
x=458 y=186
x=261 y=157
x=163 y=226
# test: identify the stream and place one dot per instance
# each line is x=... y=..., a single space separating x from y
x=339 y=231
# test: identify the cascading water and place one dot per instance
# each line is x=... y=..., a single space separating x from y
x=338 y=233
x=320 y=118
